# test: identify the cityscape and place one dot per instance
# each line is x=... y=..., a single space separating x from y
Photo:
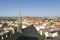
x=50 y=27
x=29 y=20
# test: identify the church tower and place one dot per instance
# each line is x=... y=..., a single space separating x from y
x=19 y=28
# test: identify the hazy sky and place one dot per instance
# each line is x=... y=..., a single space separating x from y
x=30 y=8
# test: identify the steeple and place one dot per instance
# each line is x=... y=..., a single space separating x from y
x=19 y=28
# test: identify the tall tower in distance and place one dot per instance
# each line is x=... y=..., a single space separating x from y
x=19 y=28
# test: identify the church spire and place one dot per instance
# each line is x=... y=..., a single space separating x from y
x=19 y=28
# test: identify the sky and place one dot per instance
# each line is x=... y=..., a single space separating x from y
x=36 y=8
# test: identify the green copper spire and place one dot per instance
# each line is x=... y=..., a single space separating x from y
x=19 y=28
